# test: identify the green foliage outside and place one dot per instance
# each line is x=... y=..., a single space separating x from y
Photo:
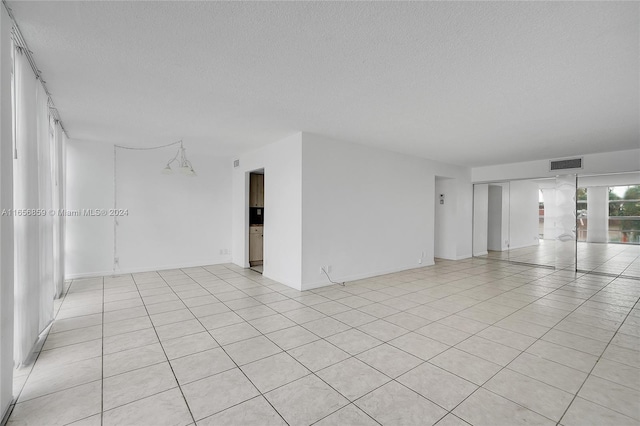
x=628 y=205
x=581 y=194
x=625 y=206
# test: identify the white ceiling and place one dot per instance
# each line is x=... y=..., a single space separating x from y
x=469 y=83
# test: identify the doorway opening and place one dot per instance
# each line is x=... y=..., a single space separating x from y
x=256 y=220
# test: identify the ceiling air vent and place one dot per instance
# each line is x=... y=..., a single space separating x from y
x=570 y=163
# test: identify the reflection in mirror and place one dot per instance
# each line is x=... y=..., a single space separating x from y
x=524 y=242
x=521 y=221
x=609 y=224
x=565 y=242
x=491 y=220
x=517 y=221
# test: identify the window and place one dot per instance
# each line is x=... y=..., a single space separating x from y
x=624 y=214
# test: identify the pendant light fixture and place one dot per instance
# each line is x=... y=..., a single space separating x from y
x=182 y=163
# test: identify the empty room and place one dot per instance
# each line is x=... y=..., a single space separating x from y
x=319 y=213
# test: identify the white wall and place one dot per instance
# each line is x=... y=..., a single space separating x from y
x=89 y=240
x=597 y=214
x=445 y=247
x=480 y=218
x=609 y=162
x=368 y=211
x=360 y=210
x=282 y=164
x=524 y=216
x=464 y=211
x=463 y=199
x=618 y=179
x=6 y=222
x=551 y=213
x=173 y=220
x=382 y=220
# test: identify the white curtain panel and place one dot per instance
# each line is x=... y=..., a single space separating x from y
x=45 y=204
x=58 y=204
x=26 y=196
x=33 y=285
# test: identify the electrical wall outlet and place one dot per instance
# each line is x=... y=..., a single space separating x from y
x=420 y=261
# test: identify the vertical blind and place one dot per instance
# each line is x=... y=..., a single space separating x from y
x=38 y=194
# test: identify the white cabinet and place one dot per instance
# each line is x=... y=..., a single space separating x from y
x=256 y=190
x=255 y=245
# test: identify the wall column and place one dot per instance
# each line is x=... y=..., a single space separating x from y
x=550 y=213
x=597 y=214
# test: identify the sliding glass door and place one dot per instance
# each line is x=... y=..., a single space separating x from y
x=529 y=221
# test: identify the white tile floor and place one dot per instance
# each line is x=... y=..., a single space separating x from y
x=614 y=259
x=477 y=341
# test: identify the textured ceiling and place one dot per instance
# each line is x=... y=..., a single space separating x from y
x=470 y=83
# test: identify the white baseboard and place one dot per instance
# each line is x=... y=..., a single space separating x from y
x=135 y=270
x=362 y=276
x=523 y=246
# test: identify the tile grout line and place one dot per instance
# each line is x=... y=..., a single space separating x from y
x=355 y=356
x=390 y=297
x=383 y=342
x=191 y=279
x=538 y=339
x=311 y=373
x=596 y=364
x=234 y=361
x=163 y=351
x=34 y=362
x=15 y=402
x=220 y=346
x=521 y=352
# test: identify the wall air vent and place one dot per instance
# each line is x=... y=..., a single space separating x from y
x=570 y=163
